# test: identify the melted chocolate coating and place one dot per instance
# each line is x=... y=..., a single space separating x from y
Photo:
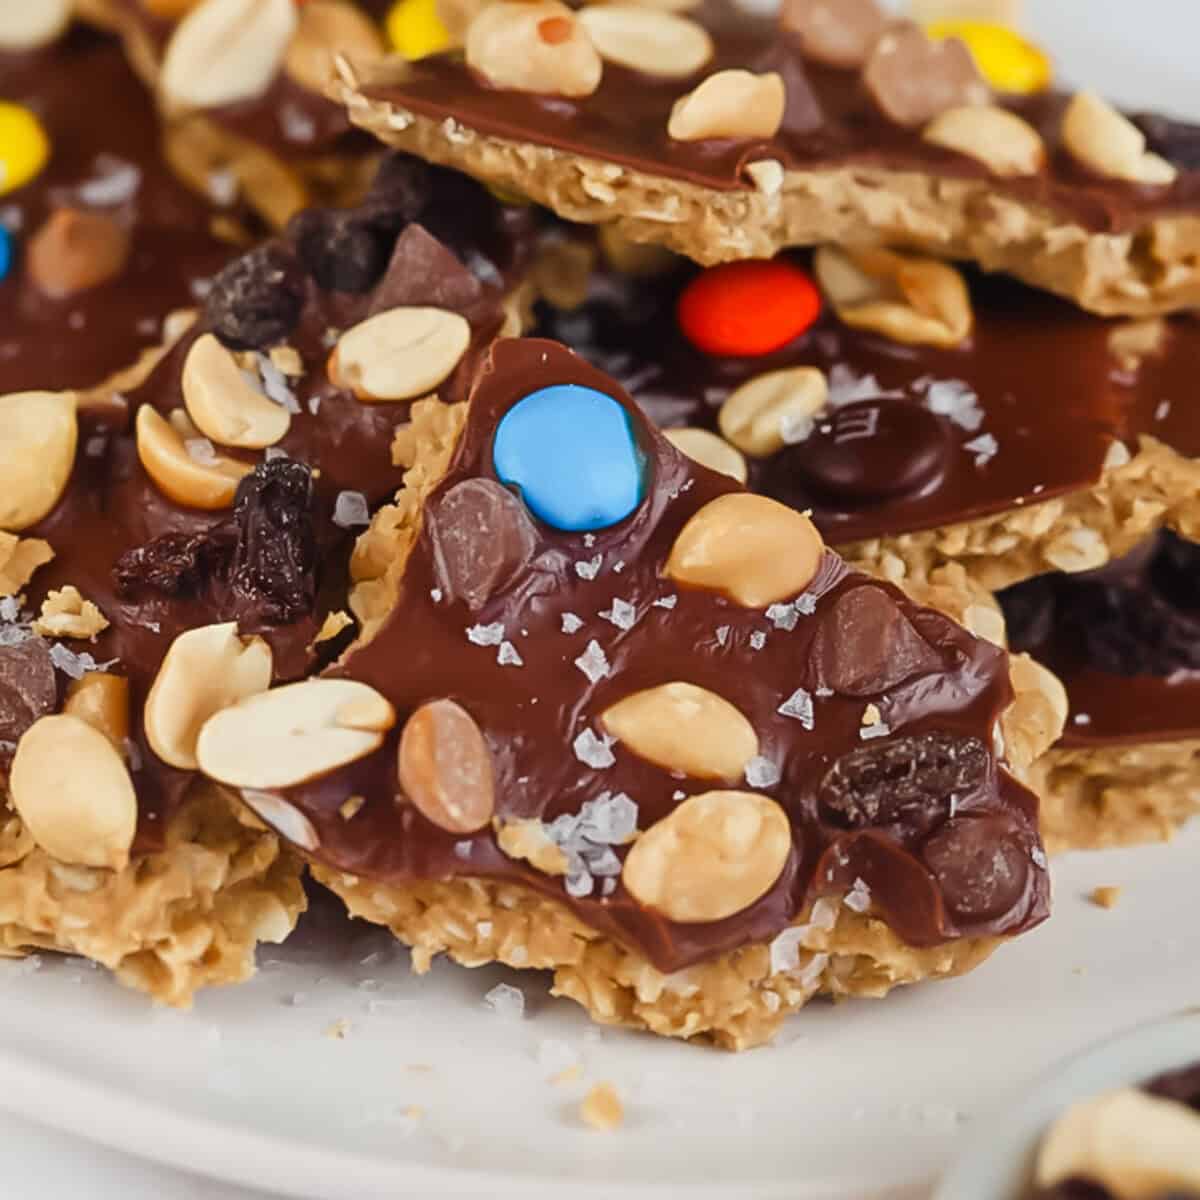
x=888 y=458
x=1125 y=640
x=625 y=122
x=208 y=573
x=99 y=119
x=531 y=714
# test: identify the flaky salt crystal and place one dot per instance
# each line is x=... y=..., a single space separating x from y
x=571 y=623
x=785 y=950
x=722 y=634
x=350 y=510
x=506 y=1001
x=275 y=384
x=758 y=640
x=762 y=773
x=783 y=616
x=592 y=751
x=593 y=662
x=589 y=569
x=858 y=898
x=508 y=656
x=985 y=447
x=799 y=707
x=666 y=601
x=486 y=635
x=622 y=614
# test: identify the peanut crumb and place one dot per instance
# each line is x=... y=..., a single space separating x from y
x=338 y=1030
x=351 y=808
x=567 y=1075
x=871 y=715
x=1105 y=897
x=527 y=840
x=601 y=1108
x=333 y=624
x=65 y=613
x=288 y=360
x=1132 y=341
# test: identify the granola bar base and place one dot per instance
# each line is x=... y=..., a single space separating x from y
x=737 y=1001
x=1083 y=530
x=1153 y=269
x=186 y=917
x=1117 y=795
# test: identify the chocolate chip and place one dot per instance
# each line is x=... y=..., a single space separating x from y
x=867 y=646
x=869 y=451
x=981 y=864
x=173 y=564
x=802 y=112
x=481 y=537
x=913 y=78
x=28 y=688
x=424 y=272
x=399 y=193
x=341 y=252
x=909 y=779
x=1177 y=141
x=274 y=567
x=841 y=33
x=255 y=302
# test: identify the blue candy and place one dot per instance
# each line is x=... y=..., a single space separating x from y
x=6 y=252
x=572 y=453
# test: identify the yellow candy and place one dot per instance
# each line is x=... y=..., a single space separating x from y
x=416 y=30
x=1007 y=61
x=24 y=146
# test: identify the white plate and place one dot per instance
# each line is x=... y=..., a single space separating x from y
x=862 y=1099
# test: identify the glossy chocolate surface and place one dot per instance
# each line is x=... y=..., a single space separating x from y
x=625 y=122
x=287 y=119
x=915 y=437
x=101 y=125
x=1125 y=640
x=111 y=505
x=531 y=714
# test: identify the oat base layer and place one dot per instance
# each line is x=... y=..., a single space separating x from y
x=1154 y=269
x=1117 y=795
x=1081 y=531
x=737 y=1001
x=186 y=917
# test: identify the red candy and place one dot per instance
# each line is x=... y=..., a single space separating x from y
x=748 y=308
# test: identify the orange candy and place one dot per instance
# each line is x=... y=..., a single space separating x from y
x=748 y=308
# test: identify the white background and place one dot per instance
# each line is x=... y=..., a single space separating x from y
x=1145 y=53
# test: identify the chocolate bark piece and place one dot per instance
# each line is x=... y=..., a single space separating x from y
x=1108 y=244
x=1029 y=448
x=1123 y=641
x=284 y=147
x=104 y=164
x=275 y=560
x=581 y=623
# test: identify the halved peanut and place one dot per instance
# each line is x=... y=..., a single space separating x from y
x=28 y=24
x=102 y=700
x=1110 y=144
x=533 y=47
x=283 y=817
x=72 y=789
x=773 y=409
x=445 y=767
x=162 y=448
x=329 y=27
x=38 y=435
x=19 y=559
x=1005 y=143
x=224 y=51
x=685 y=728
x=648 y=40
x=908 y=299
x=713 y=856
x=204 y=671
x=749 y=548
x=730 y=104
x=223 y=403
x=293 y=734
x=399 y=354
x=709 y=450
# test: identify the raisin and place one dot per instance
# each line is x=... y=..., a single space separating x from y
x=399 y=193
x=1175 y=572
x=174 y=564
x=1177 y=141
x=28 y=688
x=1132 y=630
x=1029 y=612
x=273 y=578
x=981 y=864
x=255 y=302
x=340 y=250
x=907 y=779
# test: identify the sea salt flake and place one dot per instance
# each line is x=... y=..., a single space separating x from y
x=273 y=452
x=722 y=634
x=10 y=608
x=593 y=751
x=868 y=733
x=785 y=950
x=589 y=540
x=275 y=384
x=622 y=614
x=589 y=569
x=508 y=656
x=593 y=662
x=463 y=850
x=810 y=976
x=506 y=1001
x=435 y=594
x=571 y=623
x=116 y=181
x=783 y=616
x=486 y=635
x=350 y=510
x=956 y=401
x=798 y=706
x=985 y=448
x=76 y=666
x=666 y=601
x=758 y=640
x=762 y=772
x=806 y=604
x=1160 y=413
x=858 y=898
x=1039 y=857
